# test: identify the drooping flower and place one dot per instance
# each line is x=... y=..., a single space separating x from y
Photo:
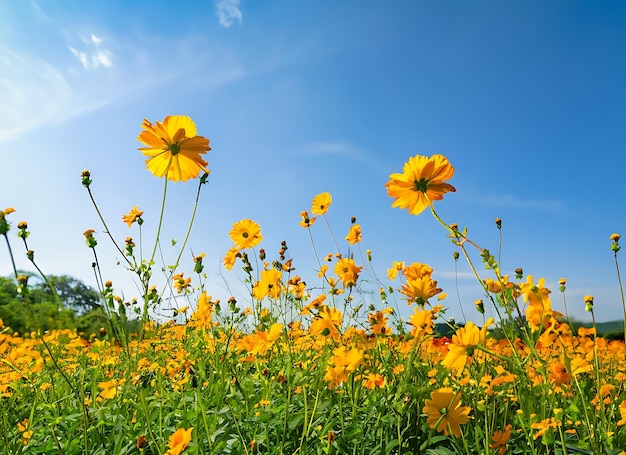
x=132 y=216
x=343 y=363
x=179 y=441
x=355 y=235
x=180 y=282
x=174 y=148
x=445 y=412
x=269 y=285
x=421 y=182
x=463 y=344
x=500 y=438
x=327 y=322
x=321 y=203
x=306 y=221
x=246 y=234
x=230 y=258
x=537 y=298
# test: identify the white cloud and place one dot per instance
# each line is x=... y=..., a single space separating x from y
x=32 y=90
x=92 y=57
x=228 y=12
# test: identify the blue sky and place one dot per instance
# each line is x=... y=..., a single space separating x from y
x=526 y=99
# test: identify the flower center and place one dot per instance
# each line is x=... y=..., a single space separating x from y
x=245 y=235
x=421 y=185
x=174 y=148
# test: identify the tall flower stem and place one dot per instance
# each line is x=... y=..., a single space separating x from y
x=158 y=233
x=203 y=180
x=621 y=290
x=106 y=227
x=11 y=255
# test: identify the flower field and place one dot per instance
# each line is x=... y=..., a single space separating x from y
x=307 y=368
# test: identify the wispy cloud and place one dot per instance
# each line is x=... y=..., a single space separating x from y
x=228 y=12
x=92 y=56
x=33 y=91
x=512 y=201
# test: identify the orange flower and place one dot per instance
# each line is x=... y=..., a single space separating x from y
x=420 y=183
x=306 y=220
x=354 y=236
x=132 y=216
x=445 y=412
x=500 y=438
x=179 y=441
x=174 y=148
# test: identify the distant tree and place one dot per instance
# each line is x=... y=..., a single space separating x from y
x=74 y=294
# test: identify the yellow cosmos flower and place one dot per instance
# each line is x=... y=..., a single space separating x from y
x=132 y=216
x=347 y=271
x=420 y=289
x=306 y=221
x=269 y=285
x=355 y=235
x=179 y=441
x=174 y=148
x=445 y=412
x=420 y=183
x=246 y=234
x=321 y=203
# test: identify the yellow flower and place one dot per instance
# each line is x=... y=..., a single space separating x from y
x=343 y=363
x=269 y=285
x=230 y=258
x=179 y=441
x=246 y=234
x=392 y=273
x=174 y=148
x=321 y=203
x=347 y=271
x=420 y=183
x=354 y=236
x=463 y=344
x=132 y=216
x=327 y=322
x=420 y=289
x=180 y=282
x=306 y=221
x=622 y=412
x=445 y=412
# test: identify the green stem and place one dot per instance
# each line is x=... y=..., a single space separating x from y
x=158 y=234
x=106 y=227
x=193 y=216
x=621 y=290
x=11 y=256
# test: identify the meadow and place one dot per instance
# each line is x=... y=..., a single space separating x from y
x=307 y=368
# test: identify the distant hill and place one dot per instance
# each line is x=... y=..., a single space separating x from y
x=611 y=329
